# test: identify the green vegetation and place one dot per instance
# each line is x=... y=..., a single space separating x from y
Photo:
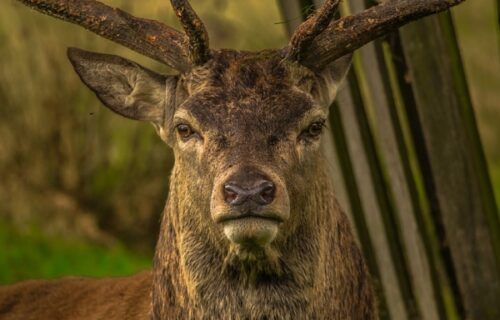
x=478 y=34
x=31 y=254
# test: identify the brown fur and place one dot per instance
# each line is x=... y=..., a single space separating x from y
x=77 y=299
x=250 y=111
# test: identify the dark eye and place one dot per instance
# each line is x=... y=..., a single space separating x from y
x=314 y=130
x=185 y=131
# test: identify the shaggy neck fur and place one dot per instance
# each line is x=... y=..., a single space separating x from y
x=317 y=273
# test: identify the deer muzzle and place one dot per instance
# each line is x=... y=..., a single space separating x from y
x=250 y=206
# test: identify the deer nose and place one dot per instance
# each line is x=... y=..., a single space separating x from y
x=261 y=192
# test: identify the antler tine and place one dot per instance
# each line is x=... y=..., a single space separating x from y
x=309 y=29
x=148 y=37
x=197 y=34
x=350 y=33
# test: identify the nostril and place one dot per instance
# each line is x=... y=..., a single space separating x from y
x=267 y=192
x=262 y=193
x=230 y=194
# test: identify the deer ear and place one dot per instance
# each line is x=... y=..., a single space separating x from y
x=333 y=75
x=339 y=68
x=122 y=85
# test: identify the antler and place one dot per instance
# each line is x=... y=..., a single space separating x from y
x=350 y=33
x=308 y=30
x=148 y=37
x=315 y=44
x=195 y=30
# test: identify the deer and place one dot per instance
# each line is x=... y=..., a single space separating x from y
x=251 y=228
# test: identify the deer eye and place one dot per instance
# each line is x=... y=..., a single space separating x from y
x=313 y=131
x=185 y=131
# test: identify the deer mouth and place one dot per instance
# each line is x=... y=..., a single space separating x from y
x=250 y=228
x=273 y=217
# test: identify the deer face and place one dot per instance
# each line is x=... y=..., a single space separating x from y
x=244 y=127
x=247 y=126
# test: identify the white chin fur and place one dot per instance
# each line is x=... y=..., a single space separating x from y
x=251 y=231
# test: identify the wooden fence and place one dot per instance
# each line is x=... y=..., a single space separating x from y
x=409 y=169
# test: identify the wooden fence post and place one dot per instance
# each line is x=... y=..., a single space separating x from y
x=457 y=180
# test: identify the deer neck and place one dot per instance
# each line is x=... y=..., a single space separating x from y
x=319 y=266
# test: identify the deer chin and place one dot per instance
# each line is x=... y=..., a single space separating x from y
x=251 y=231
x=250 y=227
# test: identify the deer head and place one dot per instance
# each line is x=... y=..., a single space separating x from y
x=244 y=126
x=249 y=190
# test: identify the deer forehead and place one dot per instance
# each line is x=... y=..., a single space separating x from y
x=256 y=92
x=262 y=71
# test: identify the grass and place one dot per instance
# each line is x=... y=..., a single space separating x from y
x=30 y=254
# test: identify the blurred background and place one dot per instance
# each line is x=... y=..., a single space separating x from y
x=81 y=189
